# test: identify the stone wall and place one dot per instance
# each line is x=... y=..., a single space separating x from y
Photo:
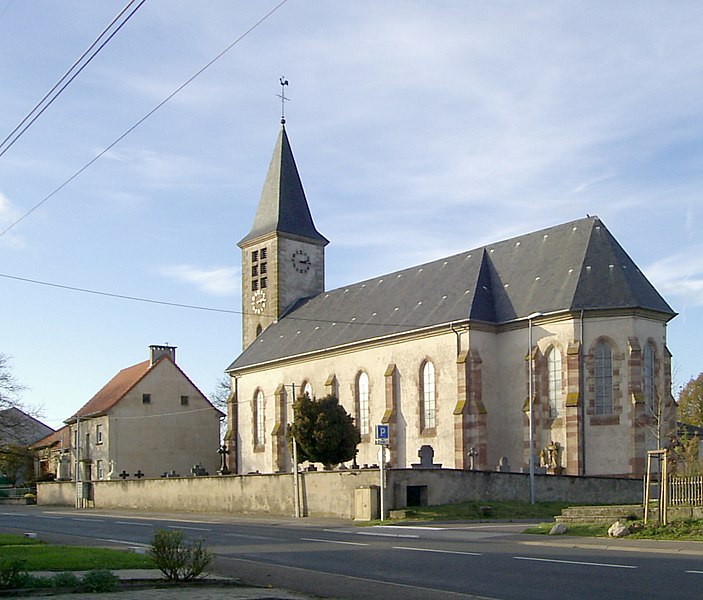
x=332 y=494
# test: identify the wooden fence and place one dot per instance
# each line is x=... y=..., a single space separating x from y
x=686 y=491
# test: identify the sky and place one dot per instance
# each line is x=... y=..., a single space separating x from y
x=420 y=130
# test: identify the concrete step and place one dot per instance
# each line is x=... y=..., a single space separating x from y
x=599 y=514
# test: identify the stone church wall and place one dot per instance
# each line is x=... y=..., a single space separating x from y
x=332 y=494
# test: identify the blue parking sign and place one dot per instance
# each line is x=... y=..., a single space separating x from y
x=382 y=435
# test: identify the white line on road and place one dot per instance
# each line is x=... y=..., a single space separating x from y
x=124 y=542
x=695 y=572
x=52 y=518
x=333 y=542
x=392 y=535
x=575 y=562
x=419 y=527
x=189 y=528
x=251 y=537
x=438 y=551
x=88 y=520
x=135 y=524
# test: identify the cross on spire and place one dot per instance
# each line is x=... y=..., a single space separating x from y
x=284 y=99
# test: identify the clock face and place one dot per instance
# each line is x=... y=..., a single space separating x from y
x=258 y=302
x=301 y=261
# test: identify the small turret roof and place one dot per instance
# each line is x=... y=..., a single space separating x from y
x=283 y=207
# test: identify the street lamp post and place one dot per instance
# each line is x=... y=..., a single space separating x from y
x=530 y=414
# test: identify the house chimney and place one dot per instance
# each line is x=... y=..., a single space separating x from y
x=158 y=351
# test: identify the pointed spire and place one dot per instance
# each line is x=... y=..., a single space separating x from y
x=283 y=207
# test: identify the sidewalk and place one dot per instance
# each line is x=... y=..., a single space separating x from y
x=213 y=588
x=683 y=548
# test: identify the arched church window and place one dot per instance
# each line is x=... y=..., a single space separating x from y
x=648 y=386
x=428 y=398
x=259 y=329
x=306 y=388
x=603 y=358
x=554 y=383
x=259 y=419
x=362 y=394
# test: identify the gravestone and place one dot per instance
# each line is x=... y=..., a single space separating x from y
x=426 y=455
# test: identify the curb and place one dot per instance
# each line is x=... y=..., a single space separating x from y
x=629 y=548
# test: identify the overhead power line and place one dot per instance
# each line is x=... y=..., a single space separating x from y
x=100 y=42
x=144 y=118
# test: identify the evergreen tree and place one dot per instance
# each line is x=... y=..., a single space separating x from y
x=324 y=431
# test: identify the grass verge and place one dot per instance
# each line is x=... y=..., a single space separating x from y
x=686 y=531
x=487 y=510
x=38 y=556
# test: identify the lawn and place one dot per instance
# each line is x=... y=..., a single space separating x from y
x=690 y=530
x=38 y=556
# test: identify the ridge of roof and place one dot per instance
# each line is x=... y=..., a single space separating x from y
x=496 y=283
x=283 y=207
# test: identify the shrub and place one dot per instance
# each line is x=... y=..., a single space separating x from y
x=65 y=580
x=99 y=580
x=178 y=560
x=12 y=573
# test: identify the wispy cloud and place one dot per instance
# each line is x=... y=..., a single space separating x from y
x=217 y=281
x=8 y=215
x=680 y=275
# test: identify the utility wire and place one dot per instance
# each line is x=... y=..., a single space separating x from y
x=190 y=306
x=68 y=77
x=144 y=118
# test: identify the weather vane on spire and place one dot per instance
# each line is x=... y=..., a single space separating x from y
x=282 y=96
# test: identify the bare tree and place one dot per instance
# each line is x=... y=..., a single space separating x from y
x=219 y=399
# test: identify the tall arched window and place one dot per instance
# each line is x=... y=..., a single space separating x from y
x=648 y=378
x=554 y=387
x=307 y=389
x=362 y=390
x=428 y=396
x=603 y=378
x=259 y=419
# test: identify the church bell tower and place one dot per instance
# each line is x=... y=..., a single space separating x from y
x=283 y=255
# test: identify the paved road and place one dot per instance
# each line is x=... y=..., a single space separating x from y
x=338 y=559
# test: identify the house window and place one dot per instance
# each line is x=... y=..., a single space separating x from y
x=428 y=396
x=184 y=400
x=603 y=379
x=101 y=473
x=259 y=419
x=648 y=379
x=362 y=391
x=146 y=398
x=98 y=434
x=554 y=391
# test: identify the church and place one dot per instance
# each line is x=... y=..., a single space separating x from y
x=556 y=331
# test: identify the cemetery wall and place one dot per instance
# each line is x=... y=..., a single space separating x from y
x=332 y=493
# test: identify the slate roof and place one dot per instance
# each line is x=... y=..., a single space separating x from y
x=283 y=207
x=17 y=427
x=570 y=267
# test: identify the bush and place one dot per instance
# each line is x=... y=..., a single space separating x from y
x=12 y=573
x=65 y=581
x=177 y=560
x=99 y=580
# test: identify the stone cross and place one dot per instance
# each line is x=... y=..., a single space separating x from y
x=139 y=474
x=223 y=451
x=473 y=453
x=124 y=475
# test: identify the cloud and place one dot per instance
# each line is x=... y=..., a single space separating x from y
x=680 y=275
x=218 y=281
x=9 y=215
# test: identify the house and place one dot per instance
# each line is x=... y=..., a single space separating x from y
x=18 y=431
x=48 y=452
x=147 y=421
x=556 y=329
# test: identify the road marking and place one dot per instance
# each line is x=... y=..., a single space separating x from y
x=135 y=524
x=87 y=520
x=695 y=572
x=189 y=528
x=392 y=535
x=251 y=537
x=124 y=542
x=334 y=542
x=575 y=562
x=418 y=527
x=52 y=518
x=438 y=551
